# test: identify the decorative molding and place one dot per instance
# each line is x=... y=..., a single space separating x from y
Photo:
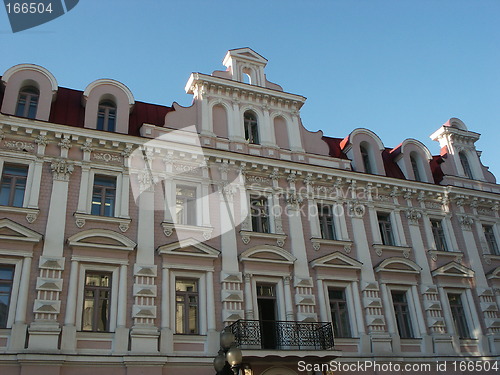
x=20 y=145
x=106 y=157
x=65 y=143
x=456 y=256
x=81 y=219
x=404 y=250
x=168 y=229
x=345 y=245
x=31 y=213
x=246 y=236
x=413 y=216
x=42 y=140
x=466 y=222
x=61 y=170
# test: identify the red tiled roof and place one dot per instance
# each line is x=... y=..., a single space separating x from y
x=68 y=109
x=335 y=147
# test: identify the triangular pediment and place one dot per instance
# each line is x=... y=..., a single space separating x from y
x=453 y=269
x=336 y=260
x=103 y=239
x=247 y=54
x=189 y=247
x=12 y=231
x=494 y=274
x=269 y=254
x=398 y=265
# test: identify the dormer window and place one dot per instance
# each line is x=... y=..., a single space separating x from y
x=414 y=167
x=365 y=156
x=251 y=128
x=465 y=165
x=106 y=116
x=27 y=103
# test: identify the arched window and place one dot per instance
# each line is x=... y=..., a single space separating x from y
x=465 y=165
x=414 y=166
x=27 y=103
x=365 y=156
x=251 y=128
x=106 y=116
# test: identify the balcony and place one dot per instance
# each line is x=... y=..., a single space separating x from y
x=281 y=335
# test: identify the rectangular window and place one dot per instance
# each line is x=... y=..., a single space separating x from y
x=13 y=185
x=6 y=278
x=490 y=239
x=340 y=314
x=186 y=306
x=104 y=195
x=326 y=223
x=438 y=233
x=402 y=314
x=458 y=315
x=260 y=214
x=97 y=299
x=185 y=205
x=385 y=226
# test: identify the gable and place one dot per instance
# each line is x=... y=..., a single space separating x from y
x=189 y=247
x=102 y=238
x=12 y=231
x=336 y=260
x=453 y=269
x=400 y=265
x=267 y=253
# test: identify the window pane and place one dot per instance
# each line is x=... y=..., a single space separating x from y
x=186 y=319
x=13 y=185
x=88 y=315
x=179 y=319
x=193 y=319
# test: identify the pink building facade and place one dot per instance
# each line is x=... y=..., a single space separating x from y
x=133 y=234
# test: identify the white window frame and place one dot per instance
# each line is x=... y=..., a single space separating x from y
x=469 y=310
x=198 y=206
x=28 y=200
x=270 y=211
x=115 y=279
x=16 y=282
x=496 y=234
x=122 y=192
x=349 y=289
x=280 y=294
x=415 y=317
x=396 y=235
x=201 y=277
x=448 y=233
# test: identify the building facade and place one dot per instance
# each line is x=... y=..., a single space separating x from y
x=133 y=234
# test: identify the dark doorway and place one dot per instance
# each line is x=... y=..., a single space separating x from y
x=266 y=302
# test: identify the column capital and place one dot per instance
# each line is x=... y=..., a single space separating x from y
x=61 y=170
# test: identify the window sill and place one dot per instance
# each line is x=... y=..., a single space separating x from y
x=31 y=213
x=168 y=229
x=488 y=258
x=454 y=255
x=246 y=236
x=317 y=242
x=81 y=219
x=404 y=250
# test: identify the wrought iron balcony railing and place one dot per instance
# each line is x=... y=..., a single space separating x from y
x=282 y=335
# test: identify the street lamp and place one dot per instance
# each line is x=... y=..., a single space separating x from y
x=229 y=356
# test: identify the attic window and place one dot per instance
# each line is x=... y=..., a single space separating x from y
x=414 y=167
x=465 y=165
x=27 y=103
x=106 y=116
x=365 y=156
x=251 y=128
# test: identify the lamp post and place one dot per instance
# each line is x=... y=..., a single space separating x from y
x=229 y=356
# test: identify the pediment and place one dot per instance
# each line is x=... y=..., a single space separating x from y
x=189 y=247
x=398 y=265
x=12 y=231
x=336 y=260
x=267 y=253
x=247 y=54
x=102 y=238
x=453 y=269
x=494 y=274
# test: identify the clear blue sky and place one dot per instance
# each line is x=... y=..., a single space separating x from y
x=400 y=68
